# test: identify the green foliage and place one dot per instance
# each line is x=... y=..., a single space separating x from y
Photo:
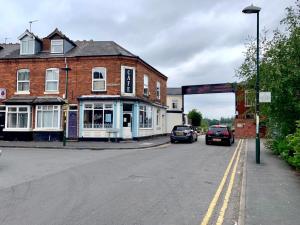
x=225 y=121
x=195 y=117
x=293 y=156
x=279 y=73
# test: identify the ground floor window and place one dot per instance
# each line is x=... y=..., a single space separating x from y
x=18 y=117
x=145 y=118
x=98 y=115
x=48 y=116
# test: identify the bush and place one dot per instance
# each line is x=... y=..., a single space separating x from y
x=294 y=146
x=288 y=148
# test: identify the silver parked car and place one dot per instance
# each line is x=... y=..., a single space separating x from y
x=183 y=133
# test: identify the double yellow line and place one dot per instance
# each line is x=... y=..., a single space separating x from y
x=212 y=205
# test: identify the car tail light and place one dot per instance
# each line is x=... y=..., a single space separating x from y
x=210 y=132
x=225 y=133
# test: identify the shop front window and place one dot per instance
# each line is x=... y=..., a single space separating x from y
x=145 y=117
x=98 y=116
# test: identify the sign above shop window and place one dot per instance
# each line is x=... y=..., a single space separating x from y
x=2 y=93
x=128 y=81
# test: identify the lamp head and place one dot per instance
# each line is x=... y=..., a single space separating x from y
x=251 y=9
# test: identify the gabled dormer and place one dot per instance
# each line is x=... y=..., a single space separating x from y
x=30 y=44
x=59 y=43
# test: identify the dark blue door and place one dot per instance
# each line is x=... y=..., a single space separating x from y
x=72 y=125
x=2 y=123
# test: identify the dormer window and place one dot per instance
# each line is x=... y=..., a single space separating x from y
x=57 y=46
x=27 y=46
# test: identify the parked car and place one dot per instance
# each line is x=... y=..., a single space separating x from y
x=219 y=134
x=183 y=133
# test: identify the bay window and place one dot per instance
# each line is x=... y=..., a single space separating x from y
x=98 y=115
x=18 y=117
x=48 y=116
x=145 y=116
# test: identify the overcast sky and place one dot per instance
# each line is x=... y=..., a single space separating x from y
x=190 y=41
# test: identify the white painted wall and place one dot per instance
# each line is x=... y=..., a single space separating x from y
x=172 y=120
x=170 y=99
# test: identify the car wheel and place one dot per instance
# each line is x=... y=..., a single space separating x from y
x=229 y=142
x=206 y=142
x=172 y=141
x=191 y=139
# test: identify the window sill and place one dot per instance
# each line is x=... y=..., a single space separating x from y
x=99 y=91
x=51 y=92
x=17 y=129
x=22 y=93
x=146 y=128
x=96 y=129
x=48 y=129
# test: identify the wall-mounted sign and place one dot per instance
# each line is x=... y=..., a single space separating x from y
x=264 y=96
x=128 y=81
x=2 y=93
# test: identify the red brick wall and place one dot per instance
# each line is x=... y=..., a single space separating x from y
x=244 y=128
x=80 y=76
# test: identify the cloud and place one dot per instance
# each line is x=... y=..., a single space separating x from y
x=191 y=41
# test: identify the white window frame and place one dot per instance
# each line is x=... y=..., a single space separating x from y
x=57 y=86
x=123 y=93
x=26 y=42
x=39 y=108
x=57 y=42
x=146 y=85
x=175 y=101
x=158 y=90
x=28 y=128
x=102 y=70
x=104 y=107
x=19 y=91
x=147 y=110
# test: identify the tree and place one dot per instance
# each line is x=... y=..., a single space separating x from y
x=279 y=74
x=195 y=117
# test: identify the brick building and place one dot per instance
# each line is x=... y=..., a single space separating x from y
x=109 y=90
x=245 y=124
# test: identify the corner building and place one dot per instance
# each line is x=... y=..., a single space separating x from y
x=102 y=89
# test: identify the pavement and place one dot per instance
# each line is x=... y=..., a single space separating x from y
x=271 y=190
x=89 y=145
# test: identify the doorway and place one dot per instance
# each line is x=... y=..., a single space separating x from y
x=2 y=121
x=127 y=121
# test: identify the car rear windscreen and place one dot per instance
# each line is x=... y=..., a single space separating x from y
x=180 y=128
x=218 y=129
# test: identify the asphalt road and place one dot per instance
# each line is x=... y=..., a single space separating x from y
x=170 y=185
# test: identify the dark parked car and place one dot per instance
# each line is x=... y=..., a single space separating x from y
x=183 y=133
x=219 y=134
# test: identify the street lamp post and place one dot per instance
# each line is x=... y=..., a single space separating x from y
x=67 y=69
x=249 y=10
